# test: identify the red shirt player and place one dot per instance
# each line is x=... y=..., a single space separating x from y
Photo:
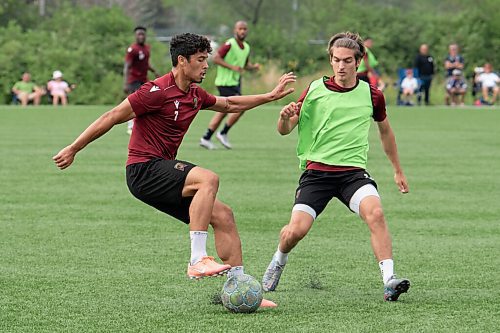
x=135 y=70
x=164 y=109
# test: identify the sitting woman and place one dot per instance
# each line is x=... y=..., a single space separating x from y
x=58 y=88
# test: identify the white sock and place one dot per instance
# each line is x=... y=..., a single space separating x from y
x=234 y=271
x=198 y=245
x=387 y=269
x=281 y=257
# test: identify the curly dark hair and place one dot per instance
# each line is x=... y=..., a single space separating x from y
x=188 y=44
x=348 y=40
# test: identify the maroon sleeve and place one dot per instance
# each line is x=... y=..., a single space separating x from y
x=224 y=49
x=129 y=56
x=303 y=96
x=207 y=100
x=378 y=101
x=146 y=99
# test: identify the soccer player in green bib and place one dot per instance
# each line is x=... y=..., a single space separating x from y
x=231 y=59
x=333 y=117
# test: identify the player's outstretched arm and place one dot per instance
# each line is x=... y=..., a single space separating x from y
x=235 y=104
x=391 y=150
x=119 y=114
x=289 y=117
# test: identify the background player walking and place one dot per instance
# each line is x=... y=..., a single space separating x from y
x=333 y=116
x=136 y=67
x=232 y=59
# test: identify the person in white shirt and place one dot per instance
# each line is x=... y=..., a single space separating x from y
x=58 y=89
x=409 y=86
x=489 y=82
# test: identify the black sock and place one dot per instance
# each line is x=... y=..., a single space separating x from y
x=208 y=134
x=225 y=129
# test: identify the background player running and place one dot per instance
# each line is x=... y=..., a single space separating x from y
x=232 y=59
x=333 y=116
x=163 y=110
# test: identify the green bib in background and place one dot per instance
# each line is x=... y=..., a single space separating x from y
x=236 y=57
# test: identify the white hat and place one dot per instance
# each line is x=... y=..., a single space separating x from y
x=57 y=74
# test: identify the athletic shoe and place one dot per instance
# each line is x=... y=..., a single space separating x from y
x=224 y=140
x=272 y=275
x=207 y=144
x=395 y=287
x=267 y=304
x=207 y=266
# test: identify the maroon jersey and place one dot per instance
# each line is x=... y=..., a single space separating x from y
x=163 y=115
x=379 y=114
x=138 y=58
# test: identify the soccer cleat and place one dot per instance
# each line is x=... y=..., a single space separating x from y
x=207 y=144
x=207 y=266
x=224 y=140
x=395 y=287
x=267 y=304
x=272 y=275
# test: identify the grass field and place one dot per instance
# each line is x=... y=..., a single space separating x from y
x=79 y=254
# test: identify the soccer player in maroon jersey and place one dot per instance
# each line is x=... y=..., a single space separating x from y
x=135 y=70
x=163 y=109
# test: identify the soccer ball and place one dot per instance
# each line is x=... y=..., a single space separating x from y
x=242 y=294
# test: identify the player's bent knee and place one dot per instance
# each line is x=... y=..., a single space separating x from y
x=211 y=180
x=293 y=233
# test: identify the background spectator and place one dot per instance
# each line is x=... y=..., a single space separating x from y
x=489 y=83
x=453 y=60
x=456 y=88
x=424 y=63
x=409 y=86
x=58 y=88
x=26 y=91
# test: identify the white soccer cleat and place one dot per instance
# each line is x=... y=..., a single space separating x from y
x=207 y=144
x=224 y=140
x=272 y=275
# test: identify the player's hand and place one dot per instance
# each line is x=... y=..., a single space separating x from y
x=281 y=90
x=238 y=69
x=401 y=182
x=290 y=110
x=65 y=157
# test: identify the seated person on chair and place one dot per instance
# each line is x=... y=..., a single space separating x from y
x=409 y=86
x=456 y=88
x=489 y=83
x=26 y=91
x=59 y=88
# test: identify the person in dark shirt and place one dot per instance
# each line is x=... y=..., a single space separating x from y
x=424 y=63
x=453 y=60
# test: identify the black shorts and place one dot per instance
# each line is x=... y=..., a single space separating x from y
x=134 y=86
x=229 y=91
x=159 y=183
x=317 y=188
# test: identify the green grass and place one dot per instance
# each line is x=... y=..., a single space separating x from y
x=79 y=254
